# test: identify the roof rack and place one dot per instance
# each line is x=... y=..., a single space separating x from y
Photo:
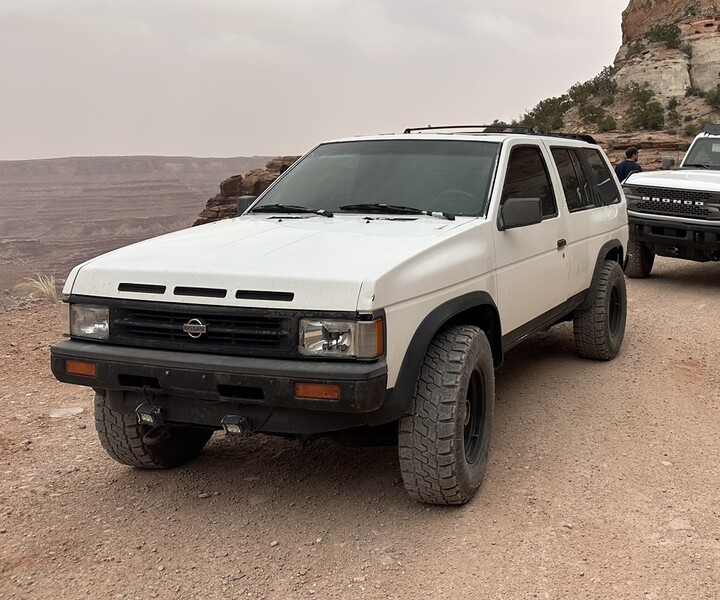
x=499 y=128
x=712 y=128
x=496 y=128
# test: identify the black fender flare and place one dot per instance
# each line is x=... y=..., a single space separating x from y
x=607 y=249
x=487 y=316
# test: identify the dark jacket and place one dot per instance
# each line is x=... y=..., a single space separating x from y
x=625 y=168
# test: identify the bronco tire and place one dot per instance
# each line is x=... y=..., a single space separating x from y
x=123 y=439
x=600 y=328
x=640 y=260
x=444 y=442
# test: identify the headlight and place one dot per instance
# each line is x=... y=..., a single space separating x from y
x=89 y=321
x=336 y=338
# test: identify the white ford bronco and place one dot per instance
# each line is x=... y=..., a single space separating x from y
x=676 y=213
x=374 y=286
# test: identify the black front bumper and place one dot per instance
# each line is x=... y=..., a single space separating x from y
x=689 y=240
x=201 y=389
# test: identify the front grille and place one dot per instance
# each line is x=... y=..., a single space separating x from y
x=227 y=330
x=690 y=203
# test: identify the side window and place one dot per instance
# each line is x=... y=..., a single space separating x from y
x=527 y=177
x=609 y=193
x=574 y=182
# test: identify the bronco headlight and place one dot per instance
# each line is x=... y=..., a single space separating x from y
x=89 y=321
x=338 y=338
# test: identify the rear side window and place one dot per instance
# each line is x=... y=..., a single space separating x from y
x=527 y=177
x=609 y=192
x=578 y=193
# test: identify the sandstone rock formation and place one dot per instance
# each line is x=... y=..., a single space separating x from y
x=671 y=71
x=253 y=183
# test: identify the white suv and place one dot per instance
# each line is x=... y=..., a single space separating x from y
x=374 y=286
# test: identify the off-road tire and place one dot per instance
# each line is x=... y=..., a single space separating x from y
x=640 y=260
x=443 y=457
x=599 y=329
x=122 y=438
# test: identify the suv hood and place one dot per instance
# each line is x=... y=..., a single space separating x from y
x=317 y=262
x=690 y=179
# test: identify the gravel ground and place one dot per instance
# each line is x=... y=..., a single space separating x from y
x=603 y=483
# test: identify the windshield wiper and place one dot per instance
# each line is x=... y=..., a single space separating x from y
x=703 y=165
x=292 y=208
x=378 y=207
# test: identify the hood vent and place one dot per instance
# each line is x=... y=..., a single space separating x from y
x=141 y=288
x=200 y=292
x=259 y=295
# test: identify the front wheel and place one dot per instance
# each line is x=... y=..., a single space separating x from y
x=129 y=443
x=600 y=328
x=640 y=260
x=445 y=441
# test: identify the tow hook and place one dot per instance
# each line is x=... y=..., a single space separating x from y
x=156 y=435
x=236 y=425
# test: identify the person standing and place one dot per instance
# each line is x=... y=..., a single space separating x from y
x=629 y=165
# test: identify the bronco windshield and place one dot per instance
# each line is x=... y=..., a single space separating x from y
x=704 y=153
x=430 y=175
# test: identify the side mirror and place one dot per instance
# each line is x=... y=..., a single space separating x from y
x=667 y=163
x=520 y=212
x=243 y=203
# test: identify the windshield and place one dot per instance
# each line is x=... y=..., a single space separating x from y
x=429 y=175
x=705 y=152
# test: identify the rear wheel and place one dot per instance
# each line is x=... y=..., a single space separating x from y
x=444 y=443
x=640 y=260
x=138 y=446
x=600 y=328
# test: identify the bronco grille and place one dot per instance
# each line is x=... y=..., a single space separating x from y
x=689 y=203
x=223 y=330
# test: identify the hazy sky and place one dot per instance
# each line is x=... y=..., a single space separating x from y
x=269 y=77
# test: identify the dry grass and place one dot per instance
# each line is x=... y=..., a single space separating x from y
x=38 y=287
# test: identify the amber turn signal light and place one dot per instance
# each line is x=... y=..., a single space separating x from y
x=80 y=367
x=318 y=391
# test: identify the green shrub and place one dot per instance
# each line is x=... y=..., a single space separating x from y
x=674 y=118
x=607 y=123
x=547 y=115
x=691 y=90
x=673 y=103
x=691 y=129
x=635 y=48
x=669 y=34
x=602 y=86
x=713 y=97
x=644 y=111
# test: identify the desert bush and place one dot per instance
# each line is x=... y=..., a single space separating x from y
x=691 y=129
x=668 y=34
x=635 y=48
x=713 y=97
x=38 y=287
x=547 y=115
x=673 y=103
x=644 y=110
x=600 y=87
x=674 y=118
x=691 y=90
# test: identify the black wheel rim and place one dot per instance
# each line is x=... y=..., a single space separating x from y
x=615 y=311
x=474 y=416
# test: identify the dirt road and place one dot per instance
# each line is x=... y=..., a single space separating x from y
x=603 y=483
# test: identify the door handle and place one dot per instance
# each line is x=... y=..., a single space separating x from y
x=561 y=243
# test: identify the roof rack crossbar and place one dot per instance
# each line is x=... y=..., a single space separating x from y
x=498 y=128
x=712 y=128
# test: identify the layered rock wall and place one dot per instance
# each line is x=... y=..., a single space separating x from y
x=253 y=183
